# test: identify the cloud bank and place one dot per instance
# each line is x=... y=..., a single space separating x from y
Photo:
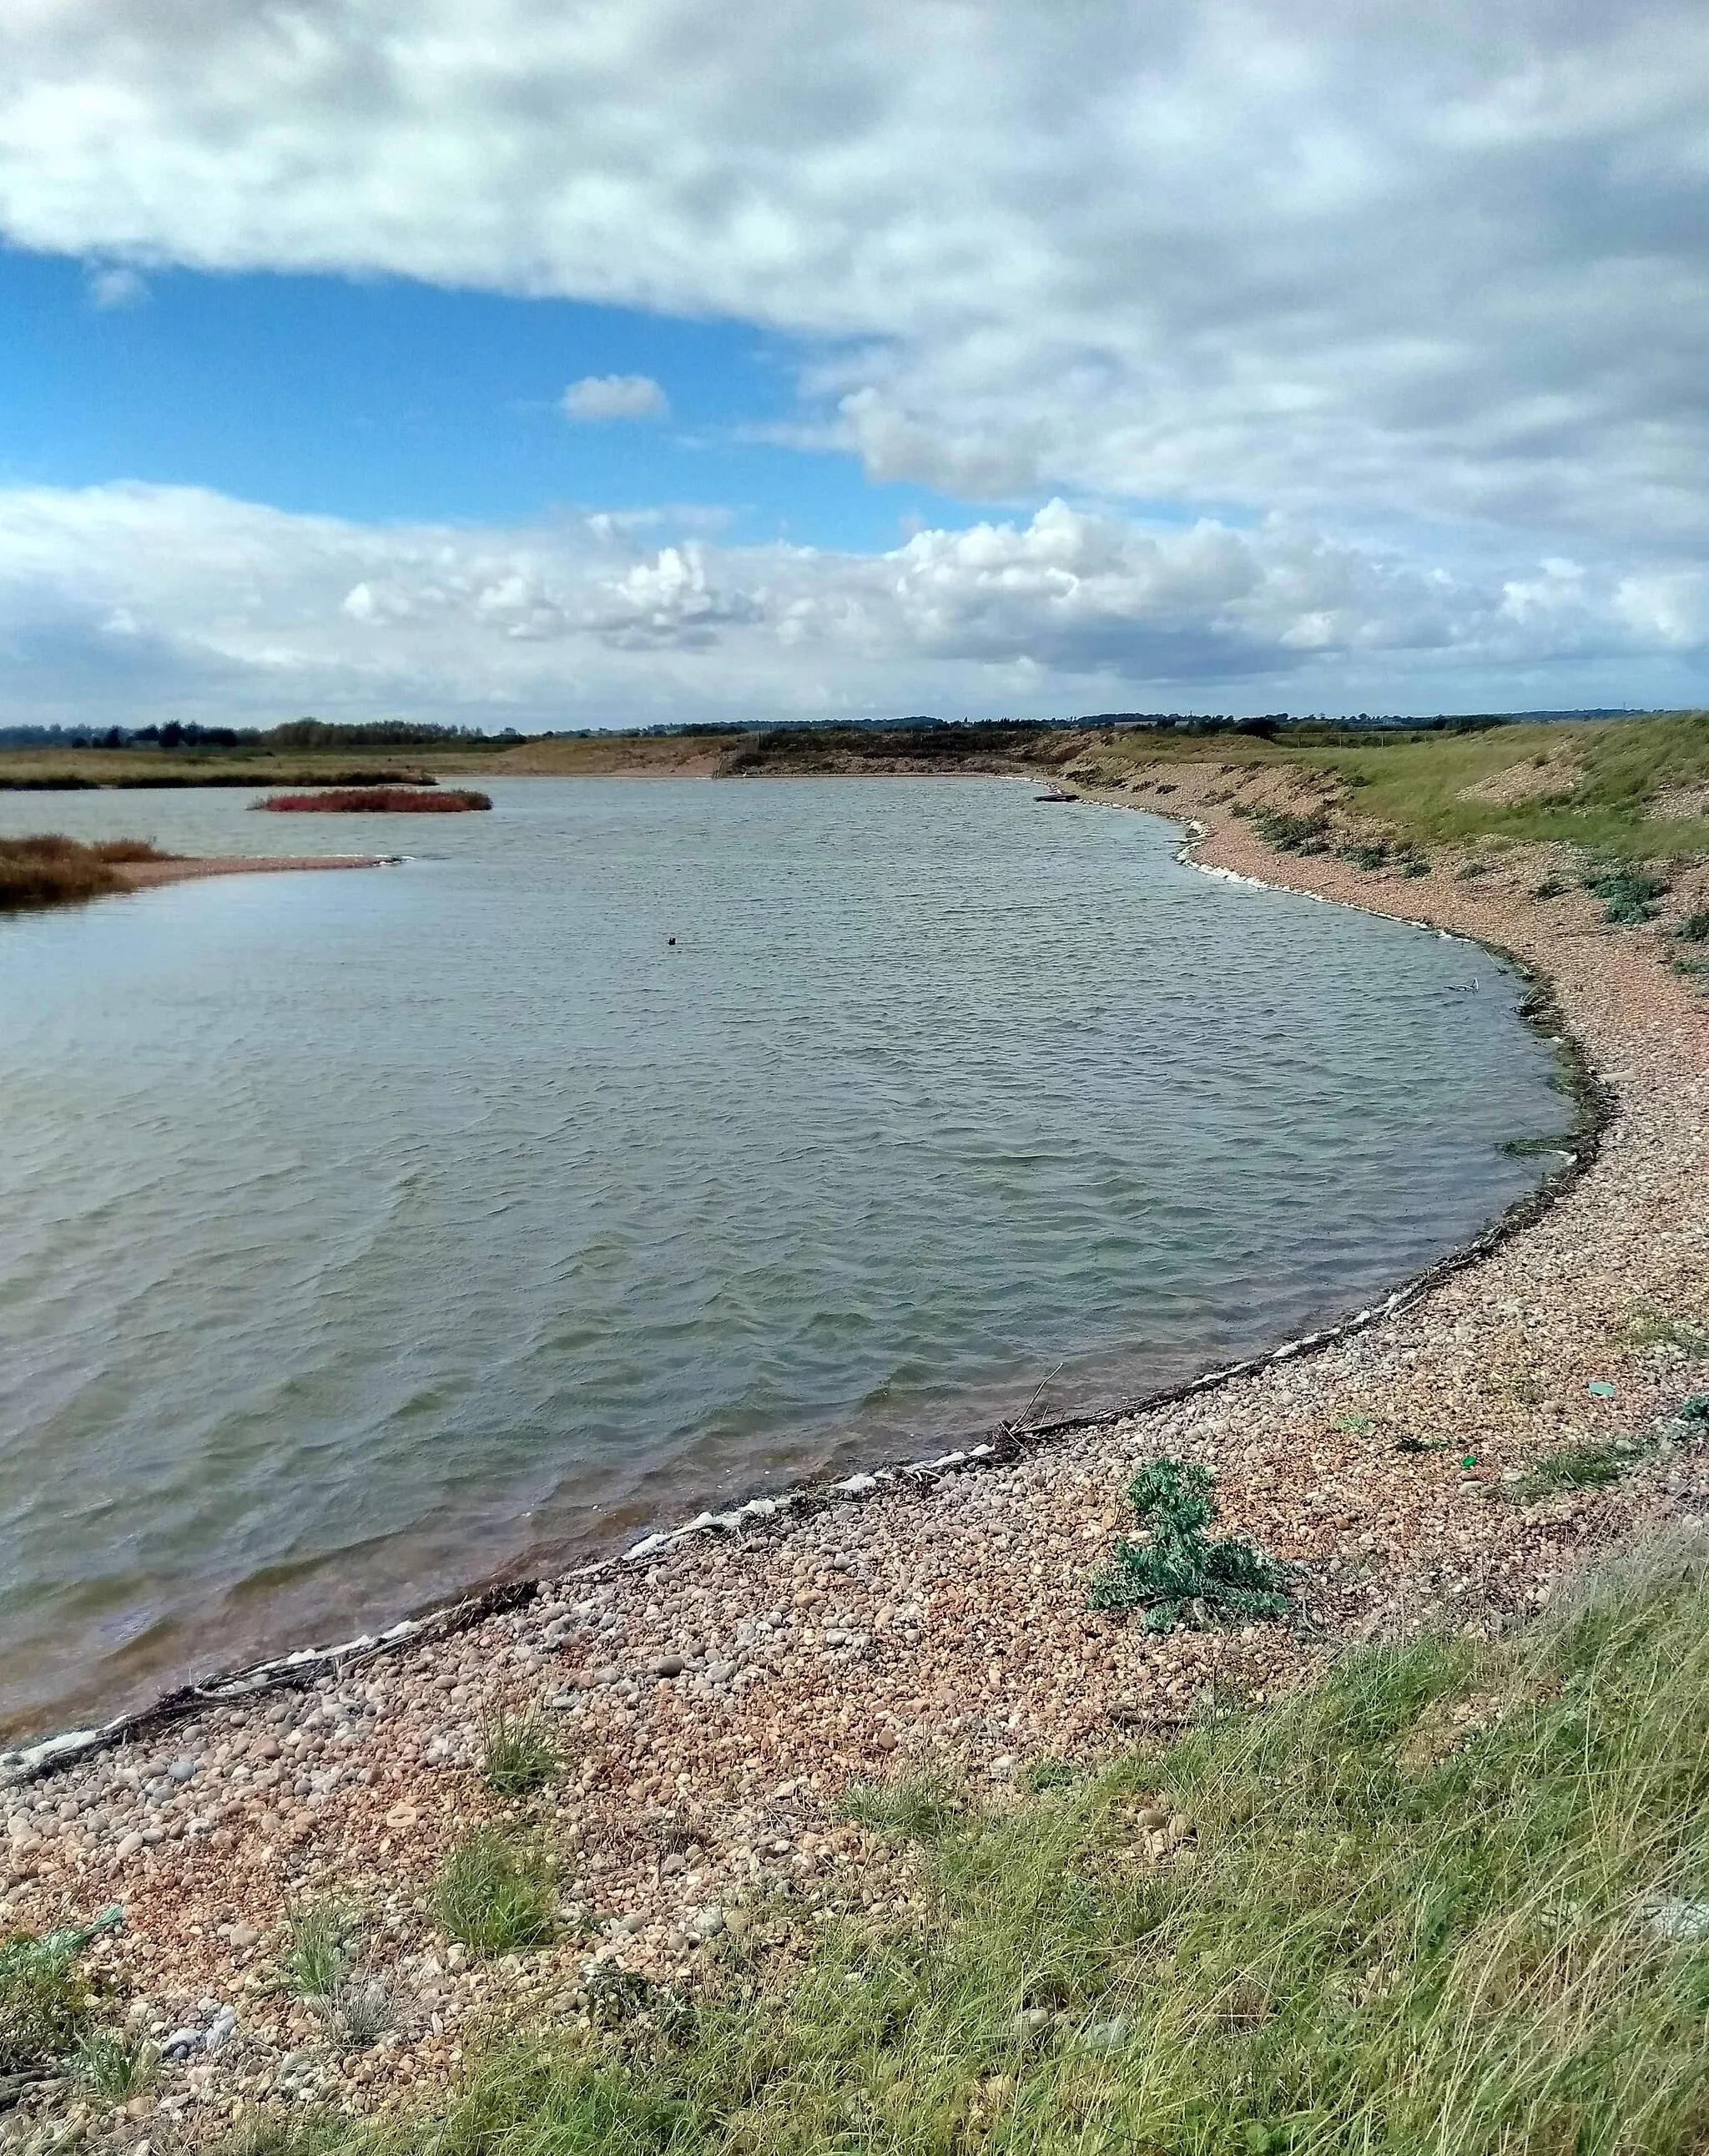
x=1334 y=258
x=1395 y=315
x=128 y=602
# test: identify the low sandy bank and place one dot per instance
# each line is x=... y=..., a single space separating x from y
x=144 y=876
x=713 y=1699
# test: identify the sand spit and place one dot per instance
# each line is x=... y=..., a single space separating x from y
x=713 y=1698
x=144 y=876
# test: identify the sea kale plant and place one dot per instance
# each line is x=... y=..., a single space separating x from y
x=1628 y=896
x=1177 y=1577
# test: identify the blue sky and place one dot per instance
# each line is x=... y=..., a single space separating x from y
x=1222 y=355
x=384 y=397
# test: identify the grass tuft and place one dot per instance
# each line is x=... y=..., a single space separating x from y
x=1289 y=833
x=113 y=2069
x=497 y=1893
x=45 y=2002
x=1653 y=1328
x=919 y=1808
x=519 y=1755
x=1573 y=1467
x=274 y=2132
x=321 y=1950
x=1179 y=1578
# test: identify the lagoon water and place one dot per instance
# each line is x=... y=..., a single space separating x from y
x=364 y=1234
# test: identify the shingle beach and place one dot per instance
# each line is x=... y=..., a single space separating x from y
x=714 y=1698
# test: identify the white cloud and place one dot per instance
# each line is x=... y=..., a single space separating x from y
x=616 y=397
x=114 y=288
x=128 y=601
x=1347 y=261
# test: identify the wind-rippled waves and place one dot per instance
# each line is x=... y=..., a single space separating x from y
x=367 y=1234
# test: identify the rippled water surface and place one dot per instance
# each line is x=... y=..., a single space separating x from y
x=363 y=1234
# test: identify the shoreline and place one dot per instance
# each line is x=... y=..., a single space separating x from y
x=459 y=1611
x=716 y=1695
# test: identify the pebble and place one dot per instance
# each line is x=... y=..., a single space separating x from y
x=1106 y=2035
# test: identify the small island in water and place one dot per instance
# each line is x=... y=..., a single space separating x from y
x=386 y=800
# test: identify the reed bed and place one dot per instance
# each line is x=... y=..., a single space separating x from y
x=49 y=868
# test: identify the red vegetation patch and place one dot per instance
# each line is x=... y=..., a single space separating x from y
x=386 y=800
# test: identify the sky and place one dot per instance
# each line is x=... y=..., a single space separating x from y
x=556 y=364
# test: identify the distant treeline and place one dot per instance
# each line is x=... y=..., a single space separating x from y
x=976 y=736
x=166 y=782
x=295 y=733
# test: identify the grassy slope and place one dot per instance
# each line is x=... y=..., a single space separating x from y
x=1597 y=779
x=1419 y=1913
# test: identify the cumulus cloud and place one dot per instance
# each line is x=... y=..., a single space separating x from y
x=135 y=600
x=616 y=397
x=1345 y=261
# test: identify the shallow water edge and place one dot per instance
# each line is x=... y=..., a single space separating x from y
x=1593 y=1108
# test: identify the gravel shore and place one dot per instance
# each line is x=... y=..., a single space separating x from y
x=712 y=1701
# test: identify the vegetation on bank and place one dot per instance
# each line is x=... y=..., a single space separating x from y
x=1634 y=788
x=379 y=801
x=50 y=870
x=1453 y=1899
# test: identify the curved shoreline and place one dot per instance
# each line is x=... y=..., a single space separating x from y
x=714 y=1695
x=458 y=1612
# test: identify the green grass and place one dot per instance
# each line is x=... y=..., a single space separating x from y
x=920 y=1808
x=113 y=2069
x=1608 y=772
x=1599 y=781
x=1655 y=1328
x=46 y=2005
x=519 y=1755
x=497 y=1892
x=1178 y=1577
x=1292 y=833
x=321 y=1950
x=289 y=2134
x=1573 y=1467
x=1420 y=1918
